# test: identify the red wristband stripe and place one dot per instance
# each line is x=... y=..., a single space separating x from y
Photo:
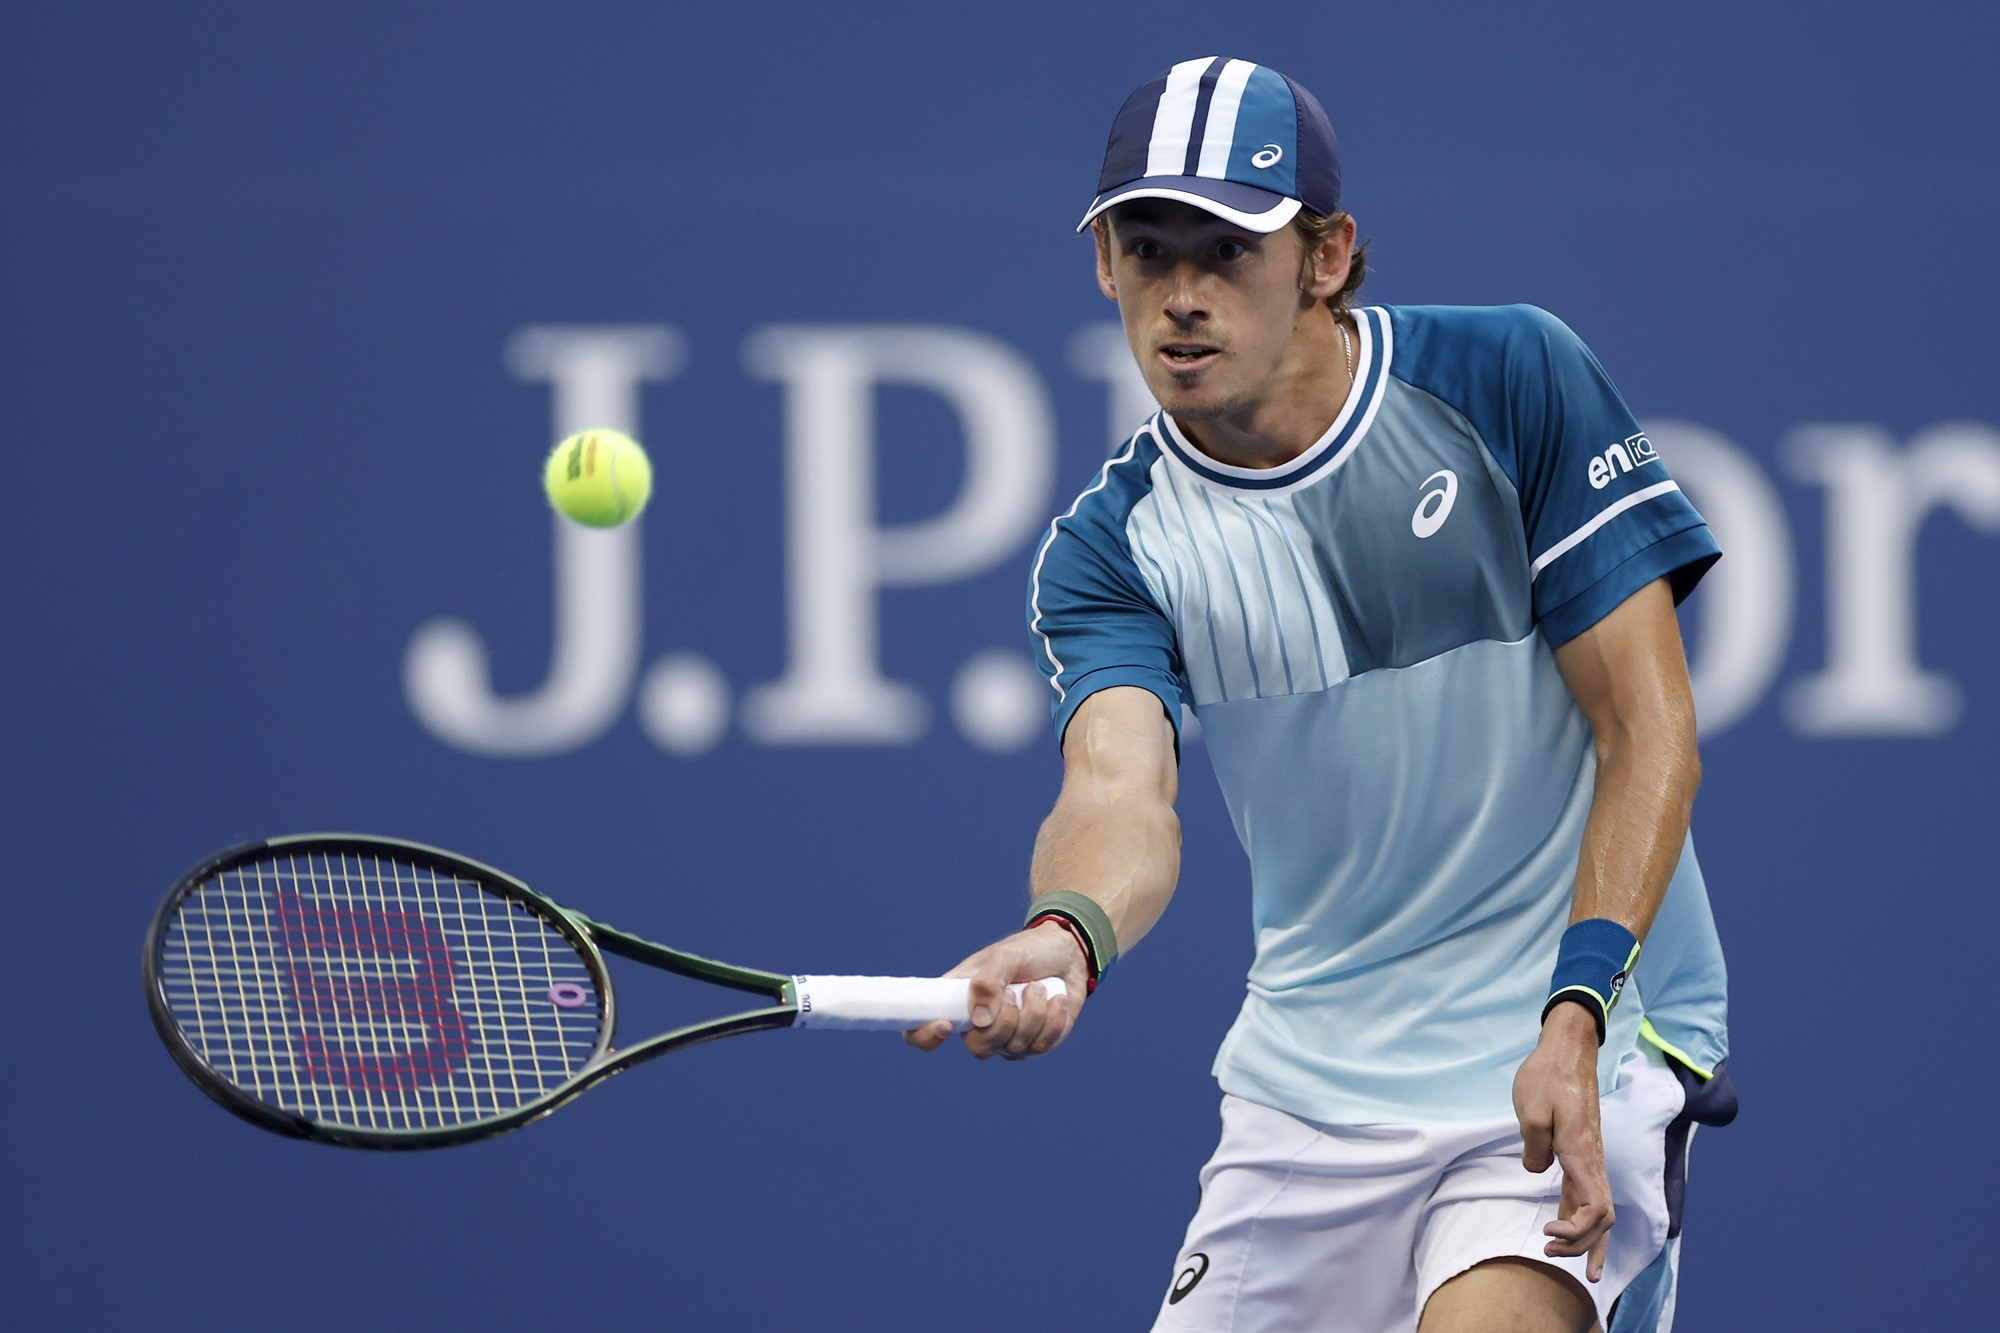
x=1076 y=933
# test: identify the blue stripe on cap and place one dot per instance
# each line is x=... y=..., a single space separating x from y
x=1132 y=134
x=1204 y=99
x=1319 y=153
x=1267 y=119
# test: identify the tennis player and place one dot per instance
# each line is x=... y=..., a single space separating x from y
x=1414 y=569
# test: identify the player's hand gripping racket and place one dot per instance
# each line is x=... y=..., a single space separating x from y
x=382 y=994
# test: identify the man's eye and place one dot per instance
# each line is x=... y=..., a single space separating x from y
x=1146 y=250
x=1231 y=250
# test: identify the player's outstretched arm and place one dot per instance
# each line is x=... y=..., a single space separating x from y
x=1629 y=675
x=1112 y=837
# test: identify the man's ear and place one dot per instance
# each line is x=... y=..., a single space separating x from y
x=1328 y=263
x=1100 y=231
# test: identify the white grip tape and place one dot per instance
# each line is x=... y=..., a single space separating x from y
x=895 y=1003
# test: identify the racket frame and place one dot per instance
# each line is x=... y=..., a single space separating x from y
x=592 y=939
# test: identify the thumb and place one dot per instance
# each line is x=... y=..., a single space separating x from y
x=988 y=981
x=1537 y=1142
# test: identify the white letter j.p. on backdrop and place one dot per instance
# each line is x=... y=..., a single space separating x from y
x=841 y=561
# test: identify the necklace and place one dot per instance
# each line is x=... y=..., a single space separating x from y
x=1347 y=346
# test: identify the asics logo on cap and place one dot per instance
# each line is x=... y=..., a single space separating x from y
x=1269 y=157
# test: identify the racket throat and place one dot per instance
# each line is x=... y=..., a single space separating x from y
x=776 y=985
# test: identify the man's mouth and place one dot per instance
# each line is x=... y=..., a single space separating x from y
x=1187 y=356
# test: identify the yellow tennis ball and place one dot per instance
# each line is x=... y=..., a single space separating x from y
x=600 y=478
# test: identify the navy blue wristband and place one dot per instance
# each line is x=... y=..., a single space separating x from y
x=1591 y=966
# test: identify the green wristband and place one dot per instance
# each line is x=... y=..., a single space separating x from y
x=1099 y=940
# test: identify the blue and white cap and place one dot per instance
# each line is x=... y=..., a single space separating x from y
x=1240 y=140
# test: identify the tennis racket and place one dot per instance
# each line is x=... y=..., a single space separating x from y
x=375 y=993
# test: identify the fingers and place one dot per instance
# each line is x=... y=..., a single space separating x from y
x=1587 y=1231
x=993 y=1014
x=987 y=994
x=1586 y=1215
x=1032 y=1026
x=1035 y=1026
x=981 y=992
x=1000 y=1025
x=1056 y=1028
x=1029 y=1018
x=987 y=976
x=930 y=1037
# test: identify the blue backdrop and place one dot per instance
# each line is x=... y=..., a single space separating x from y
x=295 y=302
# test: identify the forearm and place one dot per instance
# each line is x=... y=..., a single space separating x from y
x=1113 y=837
x=1629 y=676
x=1646 y=779
x=1120 y=848
x=1632 y=839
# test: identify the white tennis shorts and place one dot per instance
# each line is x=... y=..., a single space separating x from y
x=1307 y=1228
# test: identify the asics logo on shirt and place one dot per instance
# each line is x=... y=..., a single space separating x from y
x=1629 y=454
x=1435 y=507
x=1267 y=156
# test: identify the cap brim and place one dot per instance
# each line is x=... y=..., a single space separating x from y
x=1245 y=205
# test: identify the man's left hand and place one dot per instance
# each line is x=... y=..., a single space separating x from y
x=1555 y=1098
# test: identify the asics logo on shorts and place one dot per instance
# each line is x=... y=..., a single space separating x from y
x=1436 y=505
x=1188 y=1277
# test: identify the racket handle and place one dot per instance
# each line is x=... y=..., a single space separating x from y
x=895 y=1003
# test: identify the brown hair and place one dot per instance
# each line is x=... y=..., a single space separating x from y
x=1313 y=228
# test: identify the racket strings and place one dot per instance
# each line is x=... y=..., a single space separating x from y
x=367 y=991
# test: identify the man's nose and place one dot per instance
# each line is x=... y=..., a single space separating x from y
x=1184 y=302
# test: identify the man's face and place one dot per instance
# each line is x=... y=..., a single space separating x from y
x=1209 y=307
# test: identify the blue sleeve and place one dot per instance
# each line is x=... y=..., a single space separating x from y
x=1683 y=980
x=1603 y=518
x=1094 y=620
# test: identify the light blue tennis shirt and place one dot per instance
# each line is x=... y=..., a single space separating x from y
x=1365 y=634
